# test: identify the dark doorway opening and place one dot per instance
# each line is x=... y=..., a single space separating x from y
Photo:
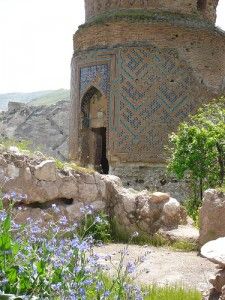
x=93 y=145
x=201 y=5
x=101 y=161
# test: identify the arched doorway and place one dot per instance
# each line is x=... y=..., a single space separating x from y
x=94 y=130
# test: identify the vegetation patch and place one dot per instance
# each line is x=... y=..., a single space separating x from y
x=197 y=152
x=73 y=166
x=120 y=235
x=172 y=293
x=185 y=246
x=58 y=262
x=22 y=145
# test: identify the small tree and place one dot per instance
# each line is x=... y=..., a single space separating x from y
x=197 y=149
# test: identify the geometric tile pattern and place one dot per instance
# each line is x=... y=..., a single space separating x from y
x=97 y=75
x=150 y=91
x=154 y=97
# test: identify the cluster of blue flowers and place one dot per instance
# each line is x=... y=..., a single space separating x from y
x=56 y=262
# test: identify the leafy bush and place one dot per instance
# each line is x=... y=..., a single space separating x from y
x=94 y=225
x=197 y=150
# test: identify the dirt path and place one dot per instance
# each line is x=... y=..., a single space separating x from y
x=164 y=266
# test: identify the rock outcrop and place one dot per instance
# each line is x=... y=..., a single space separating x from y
x=212 y=220
x=72 y=188
x=215 y=252
x=46 y=127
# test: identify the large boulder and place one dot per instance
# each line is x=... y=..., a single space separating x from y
x=212 y=216
x=215 y=252
x=144 y=212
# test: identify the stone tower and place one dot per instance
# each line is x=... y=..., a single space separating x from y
x=139 y=68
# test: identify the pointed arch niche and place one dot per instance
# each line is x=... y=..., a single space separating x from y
x=94 y=130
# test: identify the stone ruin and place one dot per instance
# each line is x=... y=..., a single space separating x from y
x=72 y=188
x=140 y=68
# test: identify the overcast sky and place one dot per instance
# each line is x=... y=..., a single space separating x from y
x=36 y=42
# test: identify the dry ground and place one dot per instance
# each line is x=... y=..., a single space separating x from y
x=164 y=266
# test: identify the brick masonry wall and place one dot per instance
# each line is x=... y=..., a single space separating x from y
x=94 y=8
x=152 y=178
x=203 y=50
x=153 y=76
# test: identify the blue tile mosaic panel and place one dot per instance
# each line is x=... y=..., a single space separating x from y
x=96 y=75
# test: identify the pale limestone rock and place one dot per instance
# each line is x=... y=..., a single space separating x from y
x=113 y=180
x=14 y=150
x=128 y=200
x=88 y=192
x=215 y=251
x=98 y=206
x=74 y=211
x=100 y=182
x=212 y=224
x=187 y=233
x=132 y=210
x=12 y=171
x=51 y=191
x=69 y=189
x=3 y=162
x=144 y=212
x=34 y=214
x=27 y=174
x=218 y=281
x=46 y=171
x=158 y=197
x=222 y=297
x=171 y=208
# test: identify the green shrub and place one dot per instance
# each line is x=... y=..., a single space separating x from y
x=47 y=263
x=95 y=225
x=197 y=149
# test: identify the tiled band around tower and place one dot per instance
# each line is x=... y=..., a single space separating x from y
x=154 y=63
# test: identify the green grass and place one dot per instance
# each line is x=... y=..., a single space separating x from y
x=119 y=235
x=155 y=292
x=35 y=98
x=221 y=188
x=184 y=246
x=22 y=145
x=74 y=166
x=172 y=293
x=52 y=98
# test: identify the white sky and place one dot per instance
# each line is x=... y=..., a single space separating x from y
x=36 y=42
